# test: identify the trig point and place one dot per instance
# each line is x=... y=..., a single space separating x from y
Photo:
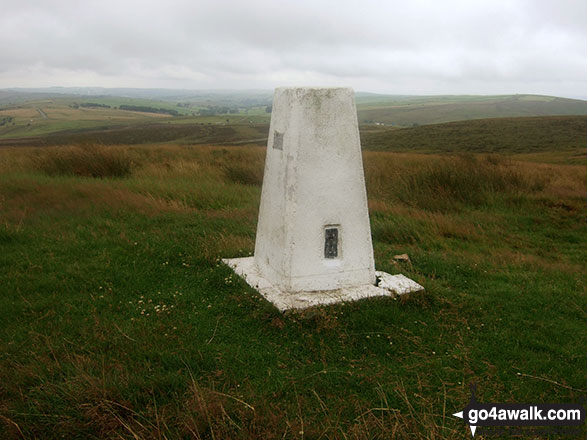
x=313 y=242
x=313 y=231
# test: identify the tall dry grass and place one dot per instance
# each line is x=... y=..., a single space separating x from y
x=87 y=161
x=446 y=183
x=466 y=180
x=430 y=182
x=210 y=177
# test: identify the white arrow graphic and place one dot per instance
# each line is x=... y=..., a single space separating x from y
x=472 y=427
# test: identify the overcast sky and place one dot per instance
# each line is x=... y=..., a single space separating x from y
x=399 y=47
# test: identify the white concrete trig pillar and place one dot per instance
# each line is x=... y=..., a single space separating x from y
x=313 y=231
x=313 y=243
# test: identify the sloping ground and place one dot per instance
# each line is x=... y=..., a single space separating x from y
x=149 y=133
x=434 y=110
x=22 y=124
x=506 y=135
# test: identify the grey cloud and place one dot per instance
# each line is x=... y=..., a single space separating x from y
x=454 y=46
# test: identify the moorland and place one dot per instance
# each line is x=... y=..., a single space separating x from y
x=118 y=320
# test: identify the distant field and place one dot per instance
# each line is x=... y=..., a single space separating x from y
x=60 y=115
x=27 y=121
x=94 y=114
x=152 y=133
x=503 y=135
x=66 y=118
x=560 y=138
x=438 y=109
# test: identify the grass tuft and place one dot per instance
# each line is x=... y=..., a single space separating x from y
x=244 y=173
x=87 y=161
x=464 y=179
x=244 y=170
x=7 y=235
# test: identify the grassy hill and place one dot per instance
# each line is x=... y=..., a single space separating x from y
x=25 y=125
x=565 y=136
x=504 y=135
x=152 y=133
x=41 y=112
x=238 y=98
x=407 y=111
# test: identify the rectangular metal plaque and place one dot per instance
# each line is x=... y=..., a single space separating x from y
x=331 y=243
x=278 y=140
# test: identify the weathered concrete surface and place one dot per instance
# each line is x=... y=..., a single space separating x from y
x=313 y=242
x=389 y=285
x=314 y=182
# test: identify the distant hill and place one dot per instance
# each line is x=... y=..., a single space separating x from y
x=410 y=110
x=502 y=135
x=373 y=108
x=17 y=96
x=512 y=123
x=196 y=97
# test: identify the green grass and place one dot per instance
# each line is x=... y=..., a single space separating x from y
x=118 y=321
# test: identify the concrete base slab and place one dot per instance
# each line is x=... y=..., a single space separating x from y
x=388 y=285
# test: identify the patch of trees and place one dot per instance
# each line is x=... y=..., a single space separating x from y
x=88 y=105
x=147 y=109
x=212 y=110
x=94 y=105
x=6 y=120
